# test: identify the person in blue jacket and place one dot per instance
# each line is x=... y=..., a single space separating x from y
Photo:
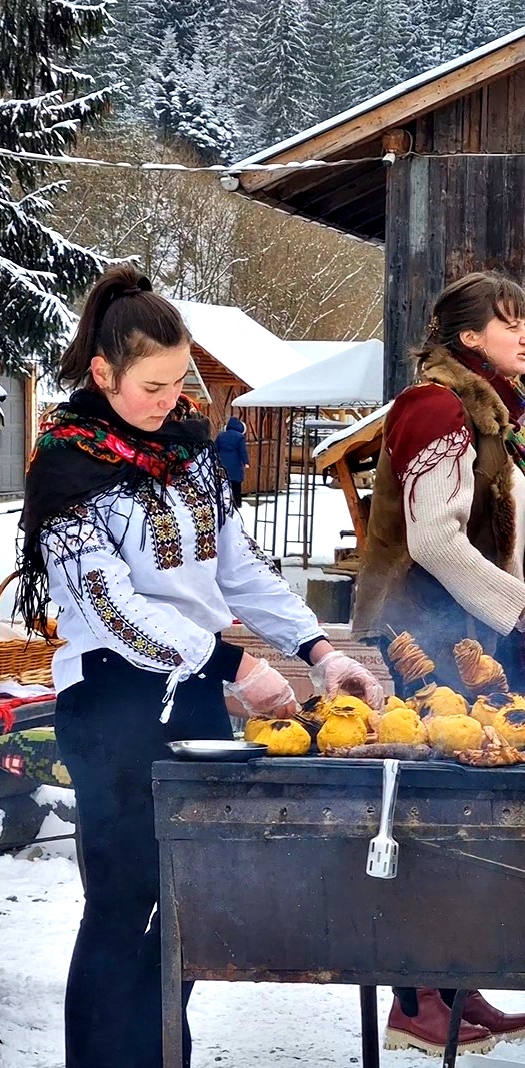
x=231 y=446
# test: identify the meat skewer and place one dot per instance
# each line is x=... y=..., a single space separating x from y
x=381 y=751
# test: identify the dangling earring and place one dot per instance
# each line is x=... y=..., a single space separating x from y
x=486 y=364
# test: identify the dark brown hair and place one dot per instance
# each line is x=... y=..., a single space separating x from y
x=122 y=319
x=469 y=304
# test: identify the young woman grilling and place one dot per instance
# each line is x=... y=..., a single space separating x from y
x=130 y=528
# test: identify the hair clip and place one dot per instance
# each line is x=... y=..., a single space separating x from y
x=433 y=327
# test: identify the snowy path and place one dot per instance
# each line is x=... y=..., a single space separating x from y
x=235 y=1025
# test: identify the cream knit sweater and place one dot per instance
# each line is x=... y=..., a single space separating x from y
x=437 y=503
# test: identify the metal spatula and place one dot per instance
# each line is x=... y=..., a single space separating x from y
x=383 y=849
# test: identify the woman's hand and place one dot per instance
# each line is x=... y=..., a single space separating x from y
x=262 y=690
x=334 y=673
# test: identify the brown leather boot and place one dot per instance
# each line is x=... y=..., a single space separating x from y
x=500 y=1024
x=428 y=1031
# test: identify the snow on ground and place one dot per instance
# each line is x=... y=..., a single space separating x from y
x=234 y=1024
x=9 y=517
x=330 y=517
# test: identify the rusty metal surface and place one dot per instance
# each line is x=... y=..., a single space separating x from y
x=263 y=875
x=321 y=798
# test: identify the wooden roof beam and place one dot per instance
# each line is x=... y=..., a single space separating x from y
x=312 y=179
x=394 y=112
x=348 y=194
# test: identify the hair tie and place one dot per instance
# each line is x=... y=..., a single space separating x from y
x=129 y=292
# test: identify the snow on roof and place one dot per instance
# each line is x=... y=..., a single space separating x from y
x=248 y=350
x=351 y=431
x=313 y=351
x=353 y=377
x=375 y=102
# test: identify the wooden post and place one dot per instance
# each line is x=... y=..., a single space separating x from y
x=445 y=217
x=352 y=499
x=30 y=416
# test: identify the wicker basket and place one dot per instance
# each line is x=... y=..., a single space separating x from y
x=26 y=659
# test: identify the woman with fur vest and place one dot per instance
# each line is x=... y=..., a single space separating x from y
x=446 y=543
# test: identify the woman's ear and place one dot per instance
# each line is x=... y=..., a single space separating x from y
x=470 y=339
x=101 y=372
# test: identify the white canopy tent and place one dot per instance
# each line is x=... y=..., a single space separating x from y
x=352 y=378
x=314 y=351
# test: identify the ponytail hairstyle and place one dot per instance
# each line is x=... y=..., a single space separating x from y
x=123 y=320
x=470 y=303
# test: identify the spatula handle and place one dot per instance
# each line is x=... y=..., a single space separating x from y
x=390 y=787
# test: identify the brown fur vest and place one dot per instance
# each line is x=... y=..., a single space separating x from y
x=394 y=593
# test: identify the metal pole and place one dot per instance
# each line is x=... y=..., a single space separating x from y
x=369 y=1033
x=288 y=481
x=277 y=477
x=306 y=470
x=456 y=1013
x=258 y=479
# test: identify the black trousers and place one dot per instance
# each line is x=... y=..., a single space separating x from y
x=236 y=493
x=109 y=734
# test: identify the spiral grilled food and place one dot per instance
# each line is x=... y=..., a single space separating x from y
x=409 y=659
x=478 y=671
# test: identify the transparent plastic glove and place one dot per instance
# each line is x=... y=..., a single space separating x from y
x=336 y=673
x=264 y=692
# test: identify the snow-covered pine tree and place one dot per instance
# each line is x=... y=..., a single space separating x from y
x=281 y=69
x=245 y=46
x=221 y=18
x=378 y=32
x=131 y=40
x=491 y=19
x=330 y=57
x=186 y=18
x=190 y=99
x=40 y=271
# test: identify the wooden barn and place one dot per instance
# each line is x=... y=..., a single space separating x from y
x=232 y=354
x=434 y=168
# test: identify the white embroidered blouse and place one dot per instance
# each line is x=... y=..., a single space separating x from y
x=155 y=580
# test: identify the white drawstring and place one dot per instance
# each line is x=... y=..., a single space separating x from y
x=169 y=696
